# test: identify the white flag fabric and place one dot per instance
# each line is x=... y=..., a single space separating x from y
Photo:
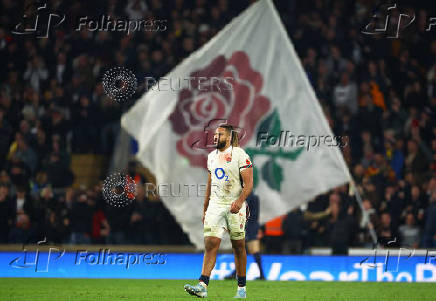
x=266 y=94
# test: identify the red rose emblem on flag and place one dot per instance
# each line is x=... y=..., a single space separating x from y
x=236 y=99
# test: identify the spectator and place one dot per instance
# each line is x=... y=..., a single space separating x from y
x=386 y=231
x=6 y=213
x=36 y=73
x=293 y=231
x=345 y=94
x=397 y=161
x=110 y=125
x=81 y=218
x=409 y=232
x=26 y=154
x=57 y=167
x=22 y=203
x=415 y=160
x=141 y=218
x=118 y=219
x=5 y=135
x=23 y=232
x=340 y=229
x=430 y=224
x=85 y=130
x=19 y=172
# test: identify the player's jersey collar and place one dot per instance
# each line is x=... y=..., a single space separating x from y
x=226 y=150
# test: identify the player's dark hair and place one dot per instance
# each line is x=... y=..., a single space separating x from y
x=234 y=141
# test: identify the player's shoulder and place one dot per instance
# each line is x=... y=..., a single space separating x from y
x=238 y=150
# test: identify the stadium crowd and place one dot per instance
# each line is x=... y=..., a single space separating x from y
x=379 y=92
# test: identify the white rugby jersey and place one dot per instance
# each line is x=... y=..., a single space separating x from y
x=225 y=167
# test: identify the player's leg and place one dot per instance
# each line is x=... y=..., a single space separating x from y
x=251 y=238
x=214 y=229
x=211 y=246
x=236 y=226
x=253 y=247
x=240 y=258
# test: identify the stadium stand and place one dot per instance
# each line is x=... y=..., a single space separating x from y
x=55 y=120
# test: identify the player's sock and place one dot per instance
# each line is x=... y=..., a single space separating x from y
x=204 y=279
x=242 y=281
x=259 y=263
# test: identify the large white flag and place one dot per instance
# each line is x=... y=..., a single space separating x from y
x=265 y=93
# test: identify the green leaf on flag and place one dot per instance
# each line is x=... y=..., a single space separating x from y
x=271 y=127
x=272 y=174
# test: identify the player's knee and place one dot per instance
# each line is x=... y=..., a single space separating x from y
x=211 y=244
x=238 y=246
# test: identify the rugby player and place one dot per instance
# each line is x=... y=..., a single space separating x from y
x=230 y=181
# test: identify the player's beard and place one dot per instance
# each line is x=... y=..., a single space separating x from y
x=221 y=144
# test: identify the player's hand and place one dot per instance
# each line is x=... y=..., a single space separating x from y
x=235 y=207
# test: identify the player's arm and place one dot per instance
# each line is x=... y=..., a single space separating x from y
x=247 y=179
x=206 y=199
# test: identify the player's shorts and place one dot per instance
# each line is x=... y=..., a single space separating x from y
x=219 y=220
x=252 y=229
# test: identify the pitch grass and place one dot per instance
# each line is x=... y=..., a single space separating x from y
x=46 y=289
